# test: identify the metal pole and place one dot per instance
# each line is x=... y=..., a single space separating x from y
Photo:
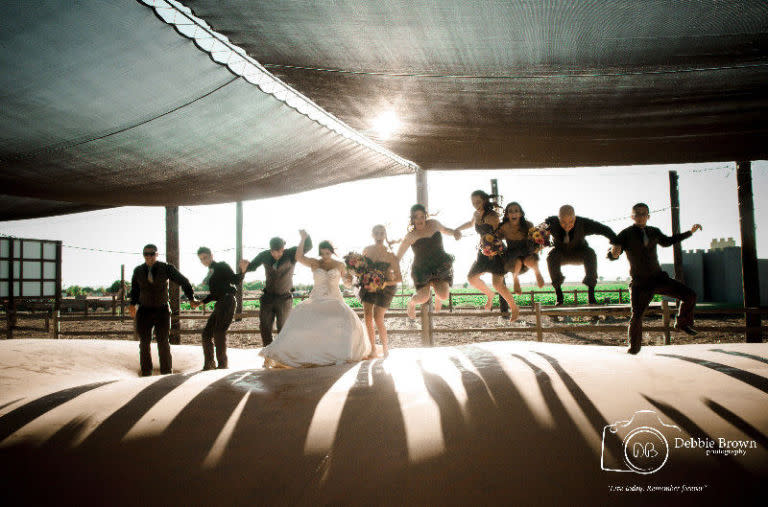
x=238 y=256
x=674 y=202
x=749 y=269
x=172 y=257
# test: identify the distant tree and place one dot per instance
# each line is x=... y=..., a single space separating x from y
x=115 y=287
x=73 y=290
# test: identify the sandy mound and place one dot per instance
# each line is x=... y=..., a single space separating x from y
x=503 y=422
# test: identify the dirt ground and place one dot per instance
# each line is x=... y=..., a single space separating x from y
x=412 y=338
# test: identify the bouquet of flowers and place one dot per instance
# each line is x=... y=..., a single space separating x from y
x=356 y=263
x=540 y=235
x=373 y=280
x=368 y=277
x=491 y=245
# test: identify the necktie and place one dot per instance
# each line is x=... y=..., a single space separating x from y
x=567 y=237
x=645 y=238
x=149 y=275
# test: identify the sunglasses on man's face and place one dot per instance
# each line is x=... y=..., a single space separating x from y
x=150 y=254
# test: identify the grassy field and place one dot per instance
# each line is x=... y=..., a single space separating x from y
x=462 y=297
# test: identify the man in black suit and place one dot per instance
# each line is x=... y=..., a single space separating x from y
x=222 y=286
x=639 y=242
x=149 y=290
x=569 y=234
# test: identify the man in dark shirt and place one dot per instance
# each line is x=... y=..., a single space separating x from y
x=276 y=300
x=639 y=242
x=149 y=290
x=222 y=286
x=569 y=234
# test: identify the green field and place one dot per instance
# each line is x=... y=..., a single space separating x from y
x=462 y=296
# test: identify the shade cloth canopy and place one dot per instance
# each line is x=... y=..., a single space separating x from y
x=106 y=104
x=525 y=83
x=110 y=103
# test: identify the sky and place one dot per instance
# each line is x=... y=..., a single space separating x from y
x=97 y=243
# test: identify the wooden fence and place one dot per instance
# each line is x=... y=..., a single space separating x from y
x=428 y=330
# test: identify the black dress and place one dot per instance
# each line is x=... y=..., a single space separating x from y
x=430 y=261
x=383 y=297
x=483 y=263
x=519 y=249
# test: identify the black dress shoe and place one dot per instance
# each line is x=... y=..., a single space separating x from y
x=222 y=366
x=209 y=366
x=687 y=330
x=145 y=374
x=633 y=349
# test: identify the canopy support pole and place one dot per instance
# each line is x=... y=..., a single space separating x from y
x=749 y=270
x=677 y=249
x=238 y=256
x=422 y=195
x=172 y=257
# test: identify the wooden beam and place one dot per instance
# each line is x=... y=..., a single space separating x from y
x=172 y=257
x=422 y=194
x=238 y=256
x=11 y=308
x=674 y=202
x=749 y=270
x=426 y=325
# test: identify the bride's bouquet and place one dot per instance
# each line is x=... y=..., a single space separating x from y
x=355 y=263
x=540 y=235
x=491 y=245
x=373 y=280
x=368 y=277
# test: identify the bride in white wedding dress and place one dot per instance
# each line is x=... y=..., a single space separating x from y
x=322 y=330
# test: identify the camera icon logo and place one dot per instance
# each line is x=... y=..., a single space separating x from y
x=638 y=445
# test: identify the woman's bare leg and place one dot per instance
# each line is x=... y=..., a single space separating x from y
x=419 y=297
x=533 y=263
x=498 y=284
x=442 y=292
x=480 y=285
x=515 y=276
x=378 y=315
x=368 y=312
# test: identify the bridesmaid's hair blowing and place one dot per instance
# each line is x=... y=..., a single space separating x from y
x=523 y=222
x=414 y=209
x=488 y=203
x=386 y=236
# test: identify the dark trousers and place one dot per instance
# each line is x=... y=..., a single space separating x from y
x=215 y=332
x=160 y=319
x=558 y=257
x=273 y=308
x=641 y=293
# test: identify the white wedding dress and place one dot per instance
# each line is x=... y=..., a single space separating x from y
x=322 y=330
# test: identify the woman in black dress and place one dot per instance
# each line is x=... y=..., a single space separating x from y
x=376 y=300
x=432 y=267
x=490 y=255
x=522 y=252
